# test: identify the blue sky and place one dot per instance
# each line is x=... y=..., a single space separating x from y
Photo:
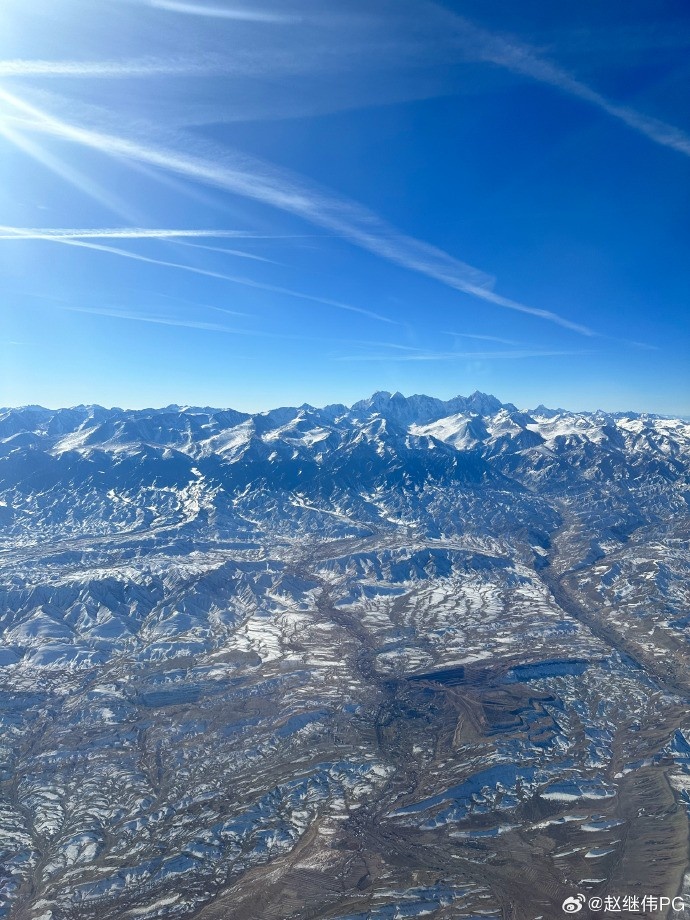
x=213 y=202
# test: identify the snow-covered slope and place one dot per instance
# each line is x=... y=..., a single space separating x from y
x=413 y=657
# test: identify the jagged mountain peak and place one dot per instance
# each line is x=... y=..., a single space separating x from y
x=420 y=409
x=483 y=403
x=215 y=594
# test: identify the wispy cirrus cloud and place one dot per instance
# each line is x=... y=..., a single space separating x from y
x=240 y=253
x=461 y=355
x=523 y=62
x=221 y=276
x=645 y=346
x=120 y=233
x=519 y=58
x=160 y=319
x=236 y=13
x=139 y=67
x=484 y=338
x=446 y=35
x=257 y=181
x=69 y=173
x=139 y=317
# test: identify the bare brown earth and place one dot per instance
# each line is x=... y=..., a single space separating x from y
x=538 y=680
x=352 y=867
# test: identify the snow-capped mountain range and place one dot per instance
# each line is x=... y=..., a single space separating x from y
x=87 y=469
x=411 y=657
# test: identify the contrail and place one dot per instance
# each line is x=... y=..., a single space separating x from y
x=231 y=252
x=239 y=14
x=348 y=219
x=483 y=338
x=143 y=67
x=456 y=355
x=234 y=279
x=120 y=233
x=520 y=59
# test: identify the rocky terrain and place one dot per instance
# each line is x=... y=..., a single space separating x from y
x=408 y=658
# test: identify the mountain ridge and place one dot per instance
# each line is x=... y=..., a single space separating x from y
x=89 y=469
x=475 y=400
x=260 y=659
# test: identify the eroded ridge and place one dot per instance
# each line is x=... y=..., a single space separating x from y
x=341 y=663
